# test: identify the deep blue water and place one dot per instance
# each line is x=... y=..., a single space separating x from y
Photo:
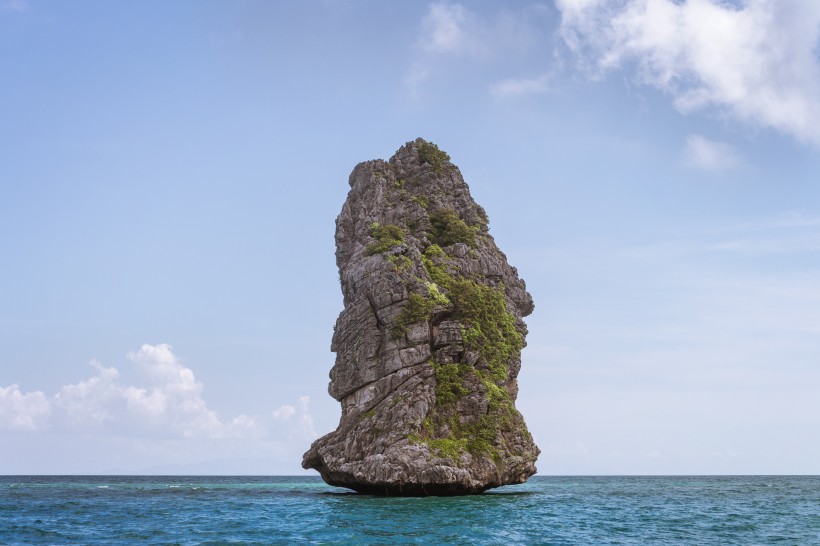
x=715 y=510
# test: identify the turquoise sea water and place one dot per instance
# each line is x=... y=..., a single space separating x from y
x=303 y=510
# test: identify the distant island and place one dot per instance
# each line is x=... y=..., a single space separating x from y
x=428 y=346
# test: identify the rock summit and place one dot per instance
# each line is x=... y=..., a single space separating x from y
x=428 y=346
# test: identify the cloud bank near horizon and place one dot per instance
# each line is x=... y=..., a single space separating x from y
x=166 y=403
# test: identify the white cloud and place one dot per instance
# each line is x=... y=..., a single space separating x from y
x=756 y=62
x=166 y=403
x=159 y=364
x=173 y=396
x=90 y=402
x=160 y=418
x=284 y=413
x=295 y=423
x=245 y=426
x=22 y=411
x=519 y=87
x=150 y=404
x=710 y=155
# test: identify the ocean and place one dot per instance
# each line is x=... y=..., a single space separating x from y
x=701 y=510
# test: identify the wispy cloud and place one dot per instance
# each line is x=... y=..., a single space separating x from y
x=755 y=61
x=295 y=422
x=783 y=221
x=721 y=297
x=14 y=5
x=771 y=246
x=450 y=30
x=305 y=417
x=707 y=332
x=710 y=155
x=519 y=87
x=416 y=76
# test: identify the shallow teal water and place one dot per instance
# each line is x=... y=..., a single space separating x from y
x=292 y=510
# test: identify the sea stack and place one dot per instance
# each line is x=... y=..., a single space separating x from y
x=428 y=346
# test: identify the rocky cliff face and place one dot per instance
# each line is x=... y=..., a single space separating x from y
x=429 y=342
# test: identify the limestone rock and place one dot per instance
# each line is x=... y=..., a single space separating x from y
x=428 y=346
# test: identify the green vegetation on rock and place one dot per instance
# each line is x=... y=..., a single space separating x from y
x=386 y=237
x=435 y=251
x=417 y=309
x=448 y=229
x=400 y=262
x=436 y=295
x=489 y=329
x=422 y=200
x=451 y=448
x=430 y=153
x=482 y=215
x=489 y=326
x=450 y=382
x=477 y=438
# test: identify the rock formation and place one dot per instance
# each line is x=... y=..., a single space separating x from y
x=428 y=346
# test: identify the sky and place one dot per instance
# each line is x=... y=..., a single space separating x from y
x=170 y=174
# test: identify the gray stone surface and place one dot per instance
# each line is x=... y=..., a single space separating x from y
x=428 y=344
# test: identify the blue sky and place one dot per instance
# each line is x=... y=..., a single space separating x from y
x=170 y=174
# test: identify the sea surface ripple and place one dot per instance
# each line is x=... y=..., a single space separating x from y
x=702 y=510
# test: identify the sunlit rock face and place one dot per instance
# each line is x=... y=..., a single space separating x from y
x=428 y=346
